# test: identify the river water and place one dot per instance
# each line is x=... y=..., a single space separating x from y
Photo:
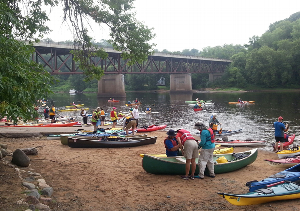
x=255 y=120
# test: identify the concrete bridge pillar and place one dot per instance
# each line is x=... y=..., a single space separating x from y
x=111 y=86
x=181 y=82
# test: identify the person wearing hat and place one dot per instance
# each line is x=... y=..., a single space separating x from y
x=172 y=145
x=207 y=146
x=102 y=116
x=114 y=117
x=280 y=128
x=213 y=122
x=129 y=123
x=46 y=112
x=136 y=114
x=52 y=112
x=95 y=119
x=84 y=116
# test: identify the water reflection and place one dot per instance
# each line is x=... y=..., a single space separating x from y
x=256 y=120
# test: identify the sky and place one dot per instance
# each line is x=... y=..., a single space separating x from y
x=189 y=24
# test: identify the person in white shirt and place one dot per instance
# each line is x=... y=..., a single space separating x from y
x=136 y=114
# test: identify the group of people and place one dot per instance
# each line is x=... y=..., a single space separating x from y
x=98 y=117
x=184 y=141
x=50 y=113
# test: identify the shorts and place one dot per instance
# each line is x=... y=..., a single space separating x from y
x=280 y=139
x=114 y=120
x=191 y=149
x=102 y=118
x=94 y=123
x=98 y=122
x=130 y=124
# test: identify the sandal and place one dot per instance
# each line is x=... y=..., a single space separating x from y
x=185 y=177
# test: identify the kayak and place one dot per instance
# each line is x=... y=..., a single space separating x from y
x=133 y=104
x=70 y=124
x=241 y=143
x=113 y=101
x=290 y=174
x=243 y=102
x=150 y=128
x=286 y=144
x=73 y=109
x=194 y=101
x=273 y=192
x=76 y=105
x=286 y=163
x=216 y=151
x=289 y=152
x=198 y=109
x=176 y=165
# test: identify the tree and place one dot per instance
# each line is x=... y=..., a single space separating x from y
x=23 y=82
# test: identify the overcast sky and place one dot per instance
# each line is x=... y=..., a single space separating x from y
x=188 y=24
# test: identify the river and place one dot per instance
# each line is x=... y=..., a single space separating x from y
x=255 y=120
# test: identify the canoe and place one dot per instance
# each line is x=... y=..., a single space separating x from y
x=74 y=106
x=198 y=109
x=150 y=128
x=274 y=192
x=133 y=104
x=244 y=102
x=117 y=143
x=113 y=101
x=284 y=163
x=227 y=132
x=241 y=143
x=73 y=109
x=216 y=151
x=194 y=101
x=176 y=165
x=289 y=152
x=70 y=124
x=290 y=174
x=286 y=144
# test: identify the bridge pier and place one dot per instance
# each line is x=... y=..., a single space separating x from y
x=180 y=82
x=111 y=86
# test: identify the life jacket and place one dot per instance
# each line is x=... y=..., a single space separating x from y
x=174 y=142
x=96 y=117
x=113 y=116
x=128 y=119
x=212 y=135
x=102 y=113
x=184 y=135
x=46 y=110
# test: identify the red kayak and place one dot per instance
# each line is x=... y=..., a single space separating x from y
x=198 y=109
x=151 y=128
x=47 y=125
x=286 y=144
x=113 y=101
x=287 y=162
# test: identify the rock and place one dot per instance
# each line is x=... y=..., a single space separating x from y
x=34 y=193
x=42 y=207
x=28 y=185
x=4 y=152
x=20 y=159
x=47 y=191
x=1 y=155
x=3 y=146
x=32 y=200
x=30 y=151
x=29 y=179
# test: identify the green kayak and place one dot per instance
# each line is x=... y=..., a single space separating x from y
x=194 y=101
x=176 y=165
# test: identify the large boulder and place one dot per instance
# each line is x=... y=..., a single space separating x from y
x=20 y=158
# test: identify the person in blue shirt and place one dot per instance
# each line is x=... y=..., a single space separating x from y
x=172 y=145
x=280 y=128
x=206 y=155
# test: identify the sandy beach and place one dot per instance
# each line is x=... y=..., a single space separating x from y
x=114 y=179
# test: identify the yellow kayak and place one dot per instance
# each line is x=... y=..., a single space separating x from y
x=217 y=151
x=74 y=106
x=73 y=109
x=243 y=102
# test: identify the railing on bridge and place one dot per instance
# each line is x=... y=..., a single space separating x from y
x=58 y=60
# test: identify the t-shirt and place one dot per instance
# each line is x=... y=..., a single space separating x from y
x=135 y=113
x=279 y=129
x=170 y=145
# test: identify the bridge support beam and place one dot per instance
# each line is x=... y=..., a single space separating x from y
x=111 y=86
x=181 y=82
x=214 y=76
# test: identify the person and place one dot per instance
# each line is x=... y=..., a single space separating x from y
x=190 y=151
x=84 y=116
x=114 y=117
x=102 y=116
x=208 y=146
x=95 y=120
x=98 y=117
x=239 y=100
x=148 y=110
x=280 y=128
x=136 y=115
x=215 y=122
x=52 y=112
x=172 y=145
x=136 y=100
x=129 y=123
x=46 y=112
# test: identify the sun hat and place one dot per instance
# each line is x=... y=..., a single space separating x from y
x=98 y=107
x=171 y=133
x=280 y=118
x=47 y=106
x=200 y=126
x=214 y=115
x=114 y=107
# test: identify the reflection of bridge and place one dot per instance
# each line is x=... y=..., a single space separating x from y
x=59 y=56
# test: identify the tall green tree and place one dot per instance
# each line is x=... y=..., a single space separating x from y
x=22 y=82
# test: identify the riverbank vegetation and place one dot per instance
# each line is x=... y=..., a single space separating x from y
x=269 y=61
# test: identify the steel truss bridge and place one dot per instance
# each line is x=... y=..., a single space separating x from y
x=58 y=60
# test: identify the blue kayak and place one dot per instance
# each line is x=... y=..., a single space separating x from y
x=290 y=174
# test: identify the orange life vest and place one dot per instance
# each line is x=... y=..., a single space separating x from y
x=174 y=142
x=212 y=135
x=184 y=135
